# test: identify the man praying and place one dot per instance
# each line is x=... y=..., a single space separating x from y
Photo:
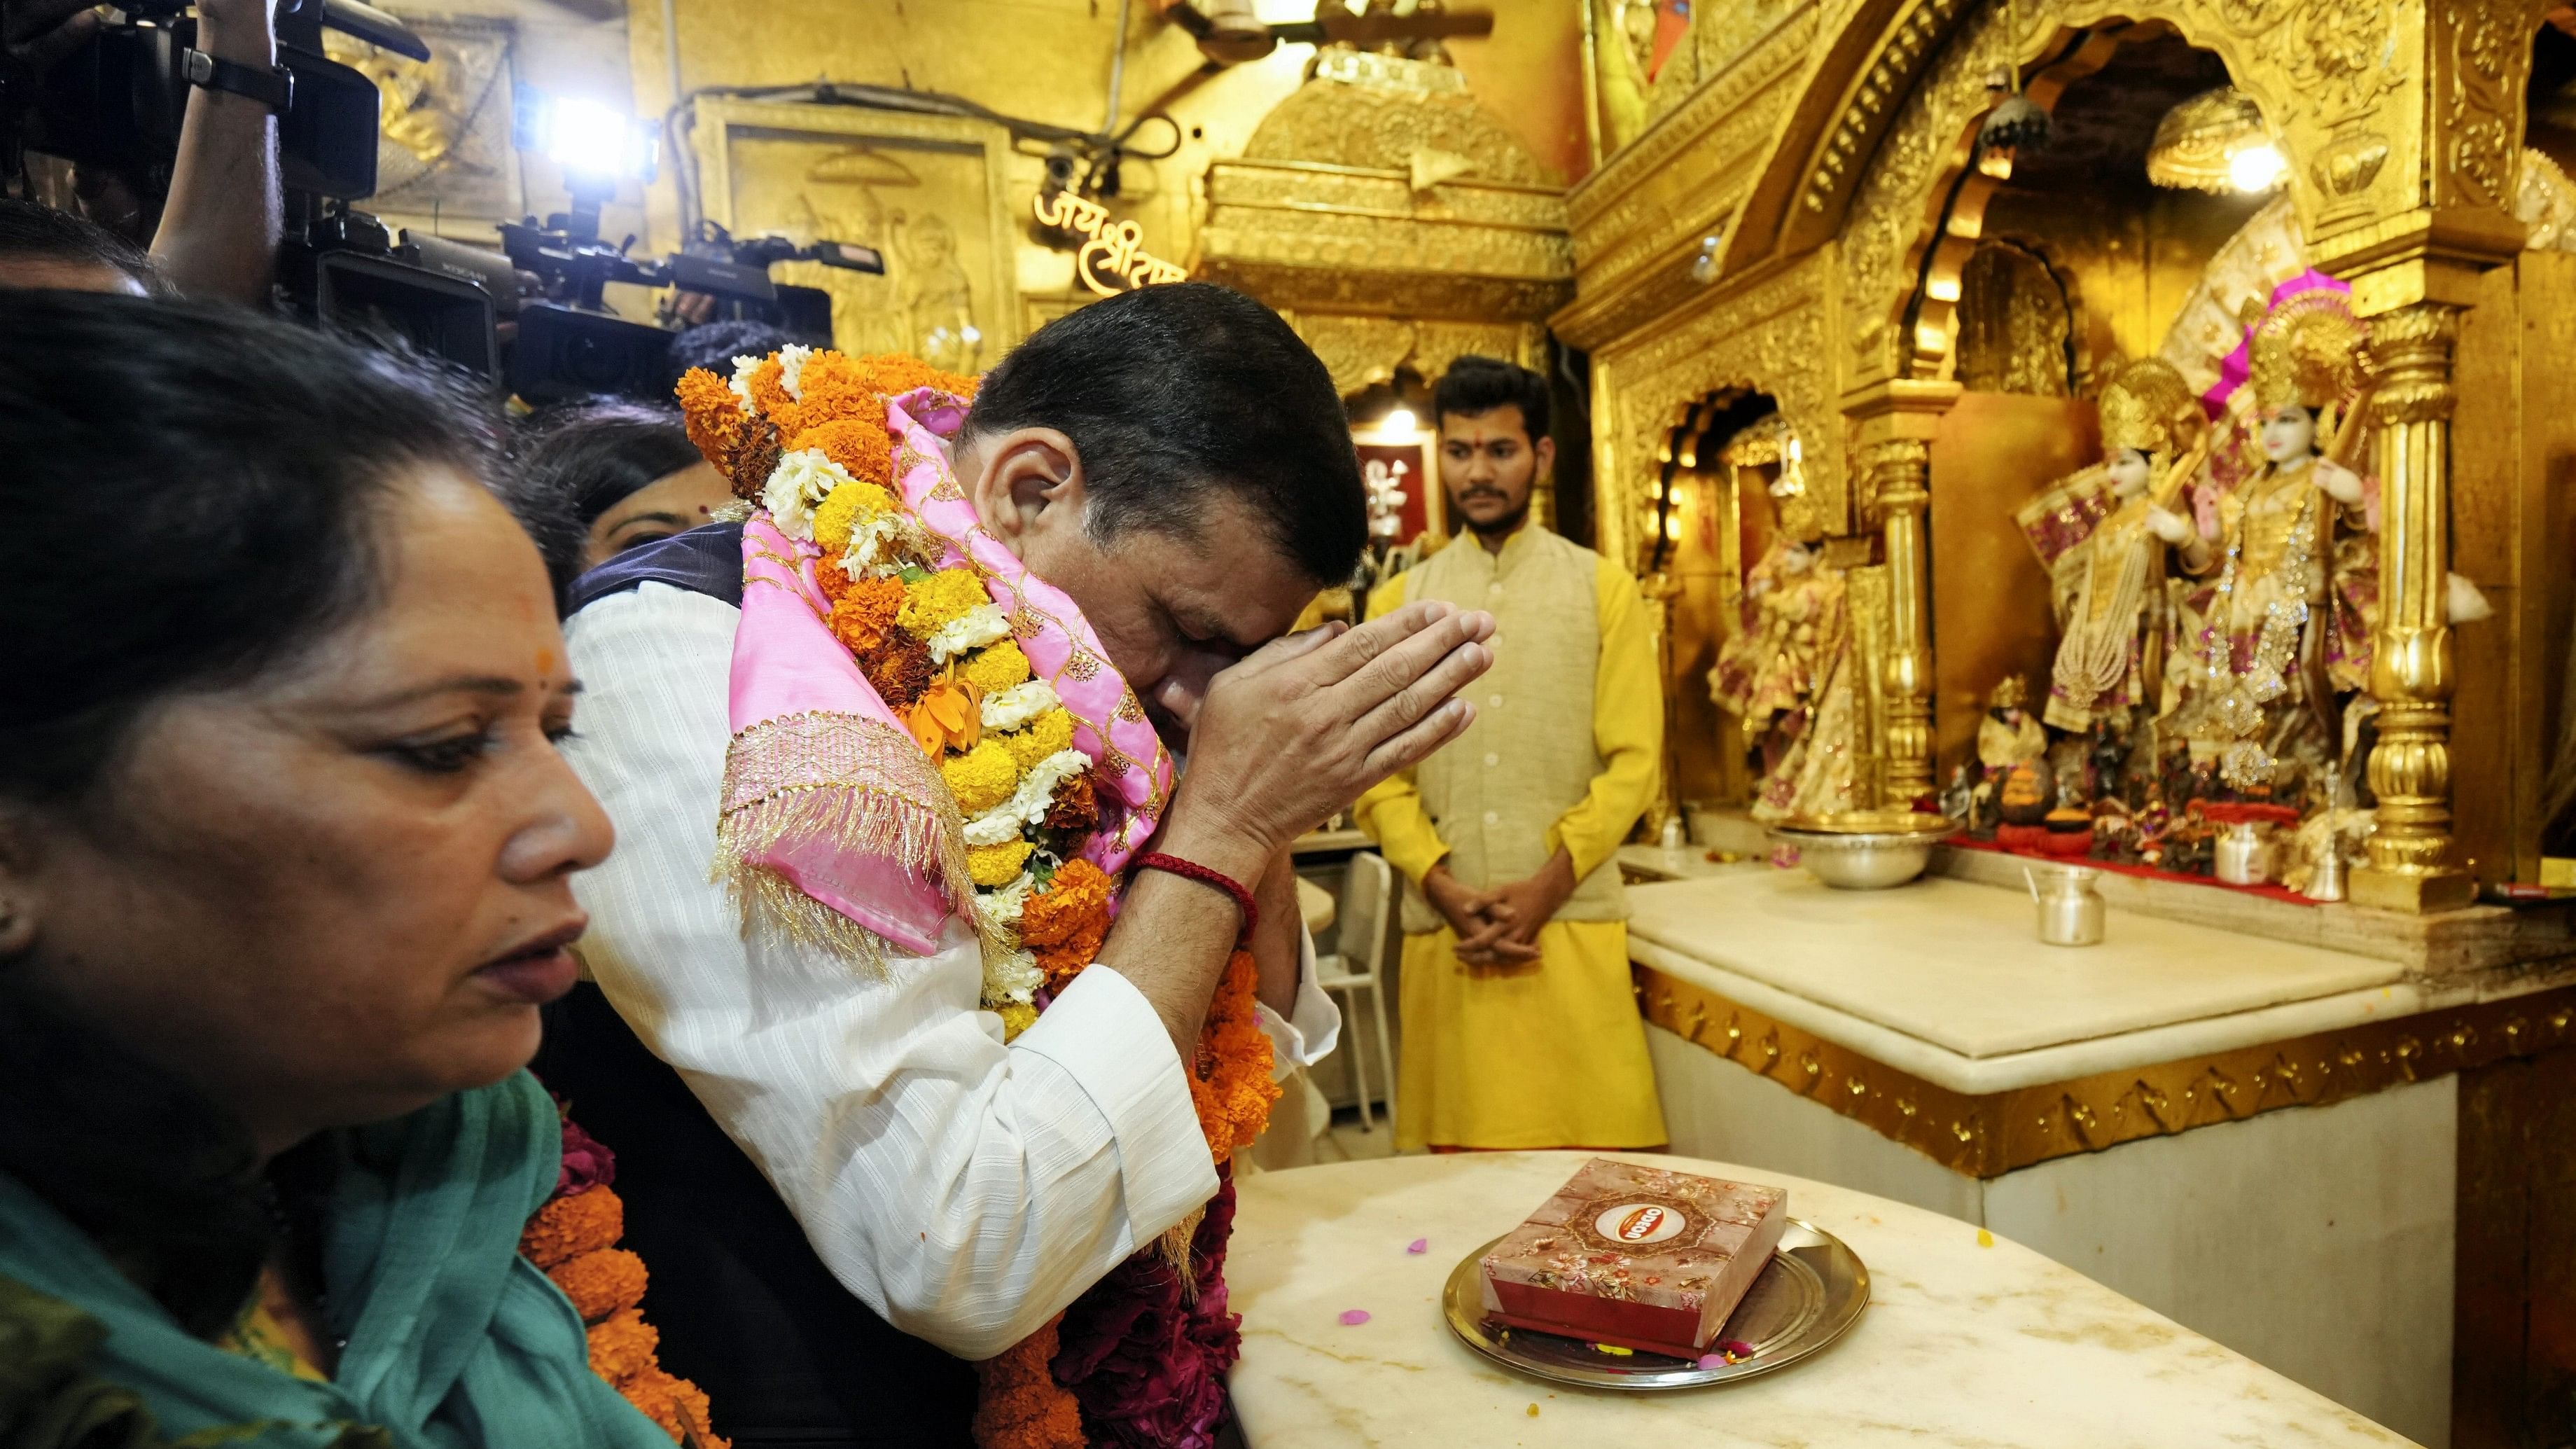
x=848 y=1139
x=1519 y=1028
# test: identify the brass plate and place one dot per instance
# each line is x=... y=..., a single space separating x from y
x=1810 y=1295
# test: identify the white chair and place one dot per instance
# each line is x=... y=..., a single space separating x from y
x=1365 y=918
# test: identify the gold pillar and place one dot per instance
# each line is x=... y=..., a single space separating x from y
x=1900 y=475
x=2410 y=672
x=1894 y=422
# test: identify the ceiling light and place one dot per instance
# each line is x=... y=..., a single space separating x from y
x=2256 y=168
x=1399 y=420
x=2215 y=142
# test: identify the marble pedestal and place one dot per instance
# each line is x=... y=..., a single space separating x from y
x=2256 y=1137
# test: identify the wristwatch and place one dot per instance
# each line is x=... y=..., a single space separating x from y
x=274 y=89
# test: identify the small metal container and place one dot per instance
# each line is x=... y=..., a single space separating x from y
x=1864 y=851
x=2243 y=856
x=2071 y=912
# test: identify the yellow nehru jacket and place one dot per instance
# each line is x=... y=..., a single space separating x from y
x=1564 y=753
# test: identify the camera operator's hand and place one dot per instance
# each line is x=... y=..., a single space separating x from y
x=218 y=235
x=241 y=31
x=40 y=33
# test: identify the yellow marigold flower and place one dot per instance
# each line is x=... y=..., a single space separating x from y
x=995 y=866
x=981 y=778
x=1017 y=1017
x=996 y=667
x=1045 y=735
x=942 y=598
x=844 y=508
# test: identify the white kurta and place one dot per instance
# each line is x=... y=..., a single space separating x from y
x=965 y=1190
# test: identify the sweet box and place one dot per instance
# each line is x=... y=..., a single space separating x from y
x=1641 y=1257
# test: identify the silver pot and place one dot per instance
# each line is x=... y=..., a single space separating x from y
x=2070 y=909
x=2243 y=856
x=1864 y=852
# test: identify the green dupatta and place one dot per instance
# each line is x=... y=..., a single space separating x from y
x=454 y=1340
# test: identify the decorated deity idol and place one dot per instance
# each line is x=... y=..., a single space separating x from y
x=1790 y=624
x=2285 y=623
x=2105 y=547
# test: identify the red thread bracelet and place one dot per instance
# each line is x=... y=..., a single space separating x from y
x=1192 y=870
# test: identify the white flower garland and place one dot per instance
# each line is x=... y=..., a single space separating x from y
x=1008 y=709
x=984 y=624
x=1013 y=978
x=1030 y=802
x=801 y=480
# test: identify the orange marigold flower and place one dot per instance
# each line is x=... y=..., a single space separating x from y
x=601 y=1282
x=899 y=667
x=830 y=578
x=713 y=413
x=836 y=389
x=1064 y=961
x=863 y=612
x=1018 y=1403
x=1078 y=896
x=858 y=444
x=676 y=1404
x=622 y=1344
x=1231 y=1086
x=568 y=1227
x=769 y=390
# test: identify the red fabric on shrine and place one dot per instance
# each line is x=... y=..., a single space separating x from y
x=2274 y=892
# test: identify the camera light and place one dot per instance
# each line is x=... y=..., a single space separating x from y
x=587 y=138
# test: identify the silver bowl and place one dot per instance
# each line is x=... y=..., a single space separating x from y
x=1865 y=851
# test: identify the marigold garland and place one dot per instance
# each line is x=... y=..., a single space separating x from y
x=567 y=1227
x=572 y=1237
x=1018 y=1402
x=925 y=631
x=622 y=1344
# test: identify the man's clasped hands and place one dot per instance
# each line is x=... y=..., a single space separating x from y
x=1499 y=927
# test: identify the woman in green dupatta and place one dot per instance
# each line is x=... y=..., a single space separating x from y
x=285 y=852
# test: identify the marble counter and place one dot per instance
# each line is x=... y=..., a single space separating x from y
x=1960 y=966
x=1970 y=1339
x=1946 y=980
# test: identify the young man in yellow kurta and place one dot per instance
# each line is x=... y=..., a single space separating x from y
x=1519 y=1027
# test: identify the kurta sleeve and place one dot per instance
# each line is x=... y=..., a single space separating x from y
x=1627 y=728
x=963 y=1189
x=1391 y=812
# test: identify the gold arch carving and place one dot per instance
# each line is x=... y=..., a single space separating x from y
x=1769 y=338
x=2369 y=135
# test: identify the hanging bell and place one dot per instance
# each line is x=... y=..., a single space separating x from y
x=2016 y=127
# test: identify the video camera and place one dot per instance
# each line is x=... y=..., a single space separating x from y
x=116 y=102
x=531 y=314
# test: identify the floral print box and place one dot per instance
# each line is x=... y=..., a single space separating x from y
x=1639 y=1257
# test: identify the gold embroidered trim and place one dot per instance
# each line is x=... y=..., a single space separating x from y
x=1174 y=1246
x=851 y=780
x=1988 y=1136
